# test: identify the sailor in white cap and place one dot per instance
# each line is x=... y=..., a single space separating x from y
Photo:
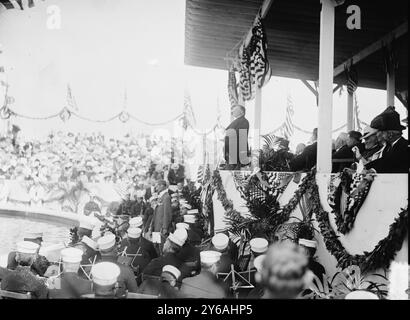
x=170 y=275
x=40 y=263
x=85 y=228
x=205 y=284
x=220 y=243
x=135 y=222
x=70 y=285
x=257 y=291
x=105 y=276
x=172 y=247
x=258 y=247
x=22 y=279
x=310 y=247
x=136 y=244
x=108 y=250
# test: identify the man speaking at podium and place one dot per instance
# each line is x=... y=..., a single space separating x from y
x=236 y=140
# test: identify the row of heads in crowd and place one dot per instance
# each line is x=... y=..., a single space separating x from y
x=100 y=159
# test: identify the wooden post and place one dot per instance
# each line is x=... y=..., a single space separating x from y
x=326 y=56
x=257 y=127
x=350 y=122
x=391 y=86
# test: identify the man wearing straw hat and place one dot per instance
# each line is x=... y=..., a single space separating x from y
x=22 y=280
x=108 y=251
x=70 y=285
x=205 y=284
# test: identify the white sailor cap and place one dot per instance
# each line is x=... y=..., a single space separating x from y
x=73 y=255
x=193 y=211
x=308 y=243
x=258 y=262
x=259 y=245
x=178 y=237
x=361 y=295
x=105 y=273
x=135 y=222
x=210 y=257
x=189 y=218
x=220 y=241
x=33 y=235
x=134 y=233
x=182 y=225
x=106 y=242
x=172 y=270
x=182 y=201
x=89 y=242
x=86 y=224
x=27 y=247
x=174 y=195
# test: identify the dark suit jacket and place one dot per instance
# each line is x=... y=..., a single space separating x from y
x=394 y=161
x=237 y=125
x=204 y=285
x=163 y=214
x=174 y=177
x=306 y=160
x=154 y=268
x=71 y=287
x=342 y=158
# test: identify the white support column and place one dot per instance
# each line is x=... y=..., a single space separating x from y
x=391 y=86
x=257 y=127
x=326 y=56
x=350 y=123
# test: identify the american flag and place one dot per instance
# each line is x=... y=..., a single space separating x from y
x=17 y=4
x=288 y=127
x=72 y=105
x=200 y=174
x=232 y=87
x=189 y=117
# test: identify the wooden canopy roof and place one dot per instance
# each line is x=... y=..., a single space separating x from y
x=214 y=27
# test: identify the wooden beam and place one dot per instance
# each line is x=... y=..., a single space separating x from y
x=308 y=85
x=396 y=33
x=264 y=11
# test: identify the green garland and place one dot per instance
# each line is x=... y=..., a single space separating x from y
x=355 y=199
x=382 y=254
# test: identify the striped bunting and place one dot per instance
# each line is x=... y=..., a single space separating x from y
x=232 y=87
x=288 y=126
x=17 y=4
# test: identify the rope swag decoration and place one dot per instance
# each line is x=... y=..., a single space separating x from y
x=357 y=187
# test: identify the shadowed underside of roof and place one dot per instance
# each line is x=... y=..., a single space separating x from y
x=214 y=27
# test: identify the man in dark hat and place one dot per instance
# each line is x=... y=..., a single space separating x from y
x=394 y=154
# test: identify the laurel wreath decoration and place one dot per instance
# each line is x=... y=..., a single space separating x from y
x=383 y=253
x=357 y=186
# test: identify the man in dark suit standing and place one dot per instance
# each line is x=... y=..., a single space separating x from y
x=394 y=154
x=236 y=140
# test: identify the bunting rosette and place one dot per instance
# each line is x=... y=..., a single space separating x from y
x=65 y=114
x=124 y=116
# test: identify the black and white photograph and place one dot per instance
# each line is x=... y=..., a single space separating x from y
x=204 y=155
